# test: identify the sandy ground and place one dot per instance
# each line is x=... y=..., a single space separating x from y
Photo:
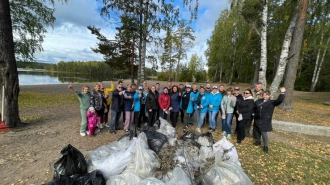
x=27 y=154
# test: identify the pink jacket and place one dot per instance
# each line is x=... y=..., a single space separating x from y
x=92 y=118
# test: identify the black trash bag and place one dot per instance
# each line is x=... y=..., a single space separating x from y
x=132 y=132
x=207 y=135
x=156 y=140
x=93 y=178
x=72 y=162
x=189 y=136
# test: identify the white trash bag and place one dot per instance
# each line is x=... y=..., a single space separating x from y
x=180 y=177
x=166 y=129
x=227 y=150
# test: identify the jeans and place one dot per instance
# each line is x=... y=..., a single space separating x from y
x=226 y=123
x=213 y=123
x=114 y=122
x=201 y=119
x=191 y=117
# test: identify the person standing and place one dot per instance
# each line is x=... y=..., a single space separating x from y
x=108 y=92
x=84 y=100
x=97 y=101
x=257 y=93
x=116 y=108
x=175 y=99
x=239 y=98
x=152 y=105
x=187 y=106
x=202 y=102
x=158 y=89
x=128 y=107
x=227 y=107
x=181 y=90
x=245 y=109
x=193 y=96
x=164 y=103
x=214 y=106
x=263 y=113
x=137 y=107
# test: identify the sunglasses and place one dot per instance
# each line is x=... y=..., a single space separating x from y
x=246 y=93
x=119 y=87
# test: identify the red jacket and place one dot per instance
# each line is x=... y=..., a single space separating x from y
x=164 y=101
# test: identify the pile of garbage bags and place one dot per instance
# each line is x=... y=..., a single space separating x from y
x=158 y=157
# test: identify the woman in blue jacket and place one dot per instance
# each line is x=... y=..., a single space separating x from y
x=187 y=105
x=129 y=114
x=137 y=106
x=202 y=102
x=215 y=99
x=174 y=105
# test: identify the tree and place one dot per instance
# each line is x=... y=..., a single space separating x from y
x=8 y=66
x=295 y=53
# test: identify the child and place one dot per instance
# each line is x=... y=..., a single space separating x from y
x=84 y=99
x=92 y=121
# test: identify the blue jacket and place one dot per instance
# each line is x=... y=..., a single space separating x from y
x=137 y=102
x=190 y=107
x=128 y=101
x=204 y=102
x=175 y=102
x=193 y=97
x=215 y=100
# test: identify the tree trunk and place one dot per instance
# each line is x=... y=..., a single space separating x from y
x=178 y=65
x=316 y=66
x=8 y=67
x=263 y=57
x=283 y=58
x=295 y=48
x=220 y=76
x=256 y=74
x=139 y=81
x=319 y=68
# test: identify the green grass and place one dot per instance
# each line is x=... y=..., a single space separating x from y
x=283 y=165
x=34 y=99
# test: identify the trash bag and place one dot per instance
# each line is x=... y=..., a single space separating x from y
x=205 y=139
x=188 y=136
x=132 y=132
x=116 y=162
x=125 y=178
x=227 y=150
x=151 y=181
x=94 y=178
x=144 y=160
x=166 y=129
x=205 y=153
x=180 y=177
x=72 y=162
x=155 y=139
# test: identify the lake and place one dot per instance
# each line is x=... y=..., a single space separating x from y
x=41 y=77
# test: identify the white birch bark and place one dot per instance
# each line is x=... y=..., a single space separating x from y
x=320 y=67
x=263 y=57
x=283 y=58
x=316 y=66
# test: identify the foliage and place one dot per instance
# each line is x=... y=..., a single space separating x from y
x=29 y=19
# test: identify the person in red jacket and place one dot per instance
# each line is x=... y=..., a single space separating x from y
x=164 y=103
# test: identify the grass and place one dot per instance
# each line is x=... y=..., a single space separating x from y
x=35 y=99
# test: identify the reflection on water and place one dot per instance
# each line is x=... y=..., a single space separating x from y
x=39 y=77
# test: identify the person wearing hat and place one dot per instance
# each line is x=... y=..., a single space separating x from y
x=214 y=106
x=239 y=98
x=202 y=102
x=137 y=106
x=187 y=105
x=193 y=97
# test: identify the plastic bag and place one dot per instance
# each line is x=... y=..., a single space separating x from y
x=205 y=153
x=144 y=159
x=172 y=141
x=166 y=129
x=116 y=162
x=155 y=139
x=227 y=150
x=240 y=117
x=72 y=162
x=205 y=139
x=180 y=177
x=126 y=178
x=151 y=181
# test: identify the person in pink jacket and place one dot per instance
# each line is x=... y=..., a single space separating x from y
x=92 y=120
x=164 y=103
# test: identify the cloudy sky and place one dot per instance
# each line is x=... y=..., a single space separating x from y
x=70 y=40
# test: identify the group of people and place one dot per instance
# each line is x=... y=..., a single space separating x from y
x=143 y=106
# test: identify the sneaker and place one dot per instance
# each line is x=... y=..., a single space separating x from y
x=106 y=125
x=223 y=133
x=83 y=134
x=126 y=130
x=101 y=125
x=98 y=131
x=198 y=130
x=228 y=136
x=88 y=132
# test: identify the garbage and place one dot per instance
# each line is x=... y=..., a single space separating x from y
x=166 y=129
x=151 y=181
x=125 y=178
x=155 y=139
x=180 y=177
x=72 y=162
x=227 y=150
x=205 y=139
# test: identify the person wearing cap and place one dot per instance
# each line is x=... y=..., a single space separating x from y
x=187 y=105
x=239 y=98
x=193 y=97
x=202 y=102
x=227 y=107
x=215 y=98
x=164 y=103
x=137 y=106
x=84 y=100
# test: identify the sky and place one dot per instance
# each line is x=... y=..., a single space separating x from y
x=70 y=40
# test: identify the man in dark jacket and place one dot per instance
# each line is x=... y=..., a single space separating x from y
x=152 y=105
x=116 y=108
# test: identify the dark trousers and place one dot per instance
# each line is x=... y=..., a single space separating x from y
x=237 y=122
x=162 y=114
x=151 y=117
x=181 y=114
x=100 y=114
x=106 y=115
x=187 y=116
x=142 y=116
x=137 y=122
x=174 y=118
x=241 y=130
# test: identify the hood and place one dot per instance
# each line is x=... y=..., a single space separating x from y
x=215 y=93
x=250 y=97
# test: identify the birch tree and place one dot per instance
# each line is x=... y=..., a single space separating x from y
x=263 y=40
